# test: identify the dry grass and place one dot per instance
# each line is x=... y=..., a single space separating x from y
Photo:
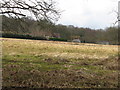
x=35 y=63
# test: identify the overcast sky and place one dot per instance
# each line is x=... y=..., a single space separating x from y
x=94 y=14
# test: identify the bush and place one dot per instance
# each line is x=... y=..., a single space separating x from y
x=58 y=39
x=9 y=35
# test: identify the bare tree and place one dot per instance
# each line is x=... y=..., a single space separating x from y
x=118 y=15
x=117 y=18
x=38 y=9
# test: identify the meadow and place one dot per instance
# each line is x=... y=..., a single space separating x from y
x=52 y=64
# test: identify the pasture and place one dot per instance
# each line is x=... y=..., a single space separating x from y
x=50 y=64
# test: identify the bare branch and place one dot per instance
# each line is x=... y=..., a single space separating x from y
x=40 y=9
x=12 y=12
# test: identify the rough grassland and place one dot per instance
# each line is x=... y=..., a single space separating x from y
x=48 y=64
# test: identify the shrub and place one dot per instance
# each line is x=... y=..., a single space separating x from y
x=10 y=35
x=57 y=39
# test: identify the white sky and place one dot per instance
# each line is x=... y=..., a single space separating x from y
x=94 y=14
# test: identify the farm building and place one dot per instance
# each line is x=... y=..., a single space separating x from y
x=76 y=40
x=103 y=42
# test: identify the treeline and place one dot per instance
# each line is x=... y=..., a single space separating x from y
x=45 y=30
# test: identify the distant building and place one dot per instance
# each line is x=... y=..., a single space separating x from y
x=47 y=37
x=53 y=35
x=76 y=40
x=56 y=35
x=103 y=42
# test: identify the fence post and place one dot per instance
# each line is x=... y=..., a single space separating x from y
x=0 y=53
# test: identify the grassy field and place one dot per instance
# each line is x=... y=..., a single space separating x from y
x=49 y=64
